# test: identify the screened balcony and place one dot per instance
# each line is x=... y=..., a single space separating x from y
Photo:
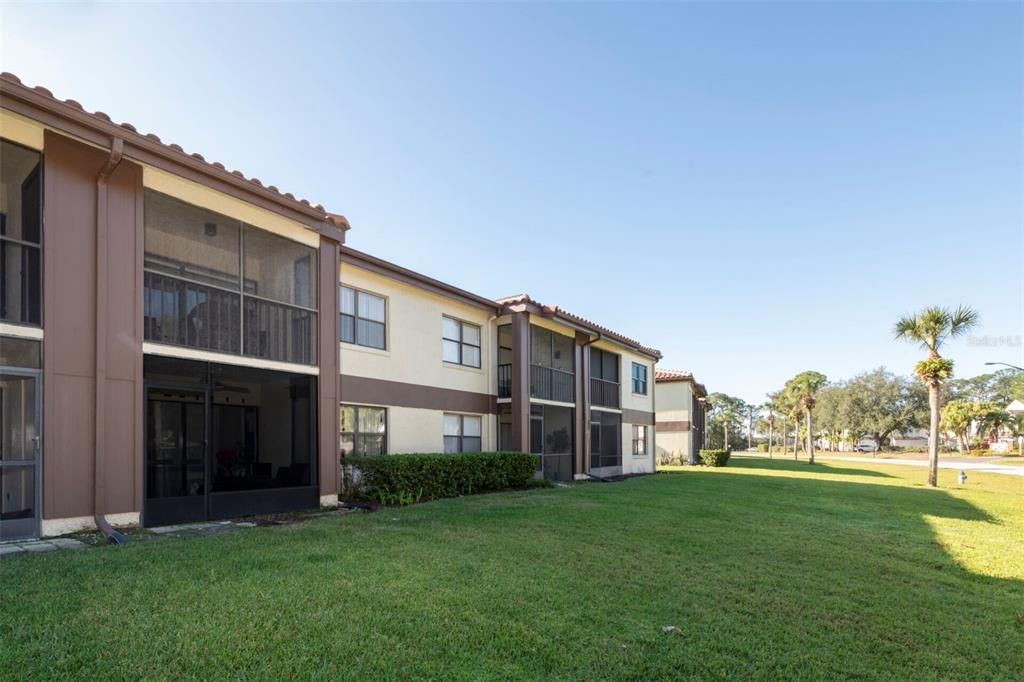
x=604 y=378
x=552 y=366
x=214 y=283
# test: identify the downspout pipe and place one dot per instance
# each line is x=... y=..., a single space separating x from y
x=99 y=457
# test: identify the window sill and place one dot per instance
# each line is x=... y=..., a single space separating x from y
x=464 y=368
x=369 y=350
x=21 y=330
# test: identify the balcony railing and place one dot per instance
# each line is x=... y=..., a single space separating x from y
x=547 y=383
x=604 y=393
x=504 y=381
x=276 y=331
x=189 y=314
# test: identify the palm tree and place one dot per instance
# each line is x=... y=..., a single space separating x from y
x=794 y=412
x=803 y=388
x=994 y=419
x=930 y=328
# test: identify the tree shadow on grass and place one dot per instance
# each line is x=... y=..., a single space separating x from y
x=778 y=464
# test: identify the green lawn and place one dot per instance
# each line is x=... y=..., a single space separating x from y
x=768 y=569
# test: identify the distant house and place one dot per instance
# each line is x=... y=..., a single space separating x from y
x=681 y=408
x=910 y=439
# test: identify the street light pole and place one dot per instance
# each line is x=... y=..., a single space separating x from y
x=1004 y=364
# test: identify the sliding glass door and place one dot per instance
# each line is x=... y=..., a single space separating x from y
x=176 y=437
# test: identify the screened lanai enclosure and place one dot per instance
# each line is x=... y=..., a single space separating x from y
x=225 y=441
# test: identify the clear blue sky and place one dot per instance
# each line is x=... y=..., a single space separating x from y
x=755 y=189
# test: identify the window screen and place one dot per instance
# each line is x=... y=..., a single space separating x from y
x=21 y=206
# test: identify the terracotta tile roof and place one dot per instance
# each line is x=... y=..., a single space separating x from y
x=672 y=374
x=583 y=322
x=667 y=375
x=171 y=149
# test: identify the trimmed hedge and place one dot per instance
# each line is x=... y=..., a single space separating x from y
x=405 y=479
x=714 y=458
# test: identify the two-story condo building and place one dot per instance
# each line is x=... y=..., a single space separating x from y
x=682 y=408
x=179 y=342
x=428 y=367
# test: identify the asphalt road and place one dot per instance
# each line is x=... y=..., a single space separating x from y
x=964 y=463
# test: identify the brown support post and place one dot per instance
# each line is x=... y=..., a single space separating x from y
x=329 y=384
x=99 y=503
x=92 y=351
x=582 y=411
x=521 y=381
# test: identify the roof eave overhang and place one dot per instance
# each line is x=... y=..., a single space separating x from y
x=388 y=269
x=575 y=323
x=41 y=106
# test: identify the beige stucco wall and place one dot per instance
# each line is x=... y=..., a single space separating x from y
x=674 y=446
x=637 y=465
x=413 y=337
x=553 y=325
x=673 y=399
x=24 y=131
x=415 y=430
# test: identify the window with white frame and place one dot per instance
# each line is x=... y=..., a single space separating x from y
x=639 y=440
x=363 y=430
x=462 y=433
x=362 y=318
x=639 y=378
x=460 y=342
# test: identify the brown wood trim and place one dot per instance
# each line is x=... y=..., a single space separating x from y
x=581 y=347
x=396 y=272
x=637 y=417
x=327 y=355
x=369 y=391
x=674 y=426
x=520 y=382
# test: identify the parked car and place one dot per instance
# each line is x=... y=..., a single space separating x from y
x=866 y=447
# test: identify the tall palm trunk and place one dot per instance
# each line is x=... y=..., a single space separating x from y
x=785 y=435
x=810 y=437
x=933 y=434
x=725 y=434
x=796 y=436
x=770 y=434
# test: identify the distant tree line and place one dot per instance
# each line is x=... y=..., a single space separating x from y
x=875 y=406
